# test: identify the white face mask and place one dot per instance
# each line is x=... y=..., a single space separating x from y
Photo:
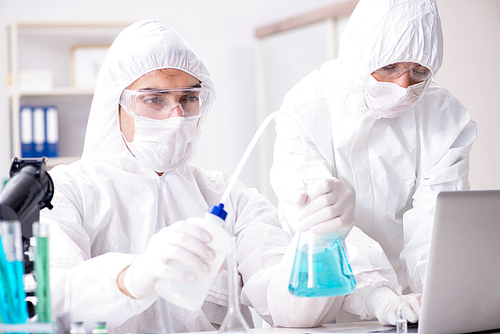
x=164 y=145
x=389 y=100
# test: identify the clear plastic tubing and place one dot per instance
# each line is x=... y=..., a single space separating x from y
x=192 y=295
x=245 y=156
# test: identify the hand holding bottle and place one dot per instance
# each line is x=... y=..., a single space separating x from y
x=183 y=242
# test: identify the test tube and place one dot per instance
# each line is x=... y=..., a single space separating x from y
x=13 y=297
x=6 y=296
x=401 y=323
x=41 y=233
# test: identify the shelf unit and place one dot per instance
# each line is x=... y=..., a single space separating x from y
x=32 y=46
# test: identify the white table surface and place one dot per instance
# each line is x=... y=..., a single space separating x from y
x=329 y=328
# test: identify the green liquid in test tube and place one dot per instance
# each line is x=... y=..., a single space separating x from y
x=40 y=231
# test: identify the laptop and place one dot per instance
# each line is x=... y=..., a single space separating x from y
x=462 y=285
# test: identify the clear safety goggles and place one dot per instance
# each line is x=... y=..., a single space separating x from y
x=164 y=103
x=417 y=72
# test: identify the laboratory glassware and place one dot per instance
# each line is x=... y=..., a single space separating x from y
x=13 y=308
x=191 y=295
x=320 y=267
x=401 y=323
x=41 y=233
x=100 y=328
x=77 y=328
x=234 y=322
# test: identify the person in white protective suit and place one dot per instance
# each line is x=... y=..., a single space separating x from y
x=374 y=126
x=123 y=213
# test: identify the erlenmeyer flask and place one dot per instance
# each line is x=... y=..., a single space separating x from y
x=320 y=268
x=234 y=321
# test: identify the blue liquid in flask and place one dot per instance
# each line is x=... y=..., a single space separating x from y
x=321 y=269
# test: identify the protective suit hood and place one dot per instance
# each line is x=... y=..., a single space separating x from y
x=143 y=47
x=389 y=31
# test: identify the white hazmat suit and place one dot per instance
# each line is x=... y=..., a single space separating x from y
x=107 y=206
x=394 y=166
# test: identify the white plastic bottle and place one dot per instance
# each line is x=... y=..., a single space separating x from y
x=192 y=295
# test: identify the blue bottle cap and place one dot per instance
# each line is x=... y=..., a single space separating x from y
x=218 y=211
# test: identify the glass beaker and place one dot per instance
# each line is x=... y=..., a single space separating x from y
x=320 y=268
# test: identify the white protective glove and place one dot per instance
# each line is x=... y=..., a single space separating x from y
x=326 y=206
x=383 y=303
x=183 y=242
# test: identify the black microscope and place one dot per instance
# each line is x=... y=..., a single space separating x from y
x=29 y=189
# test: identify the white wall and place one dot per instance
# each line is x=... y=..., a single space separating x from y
x=471 y=47
x=222 y=33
